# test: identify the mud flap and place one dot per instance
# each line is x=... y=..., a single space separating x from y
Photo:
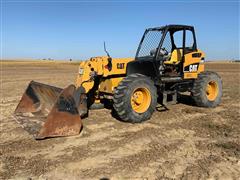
x=47 y=111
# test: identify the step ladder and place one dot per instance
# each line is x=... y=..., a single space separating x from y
x=169 y=98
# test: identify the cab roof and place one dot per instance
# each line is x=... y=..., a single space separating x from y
x=174 y=27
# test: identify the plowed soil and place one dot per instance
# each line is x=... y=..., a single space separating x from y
x=184 y=142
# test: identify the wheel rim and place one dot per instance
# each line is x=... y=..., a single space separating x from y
x=140 y=100
x=212 y=90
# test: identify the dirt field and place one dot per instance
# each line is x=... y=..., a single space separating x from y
x=185 y=142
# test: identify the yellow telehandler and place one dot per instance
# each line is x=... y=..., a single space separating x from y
x=167 y=62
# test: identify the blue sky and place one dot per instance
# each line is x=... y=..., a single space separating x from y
x=72 y=29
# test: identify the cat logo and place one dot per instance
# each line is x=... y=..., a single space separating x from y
x=193 y=68
x=120 y=65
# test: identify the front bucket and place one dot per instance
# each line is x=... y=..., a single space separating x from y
x=38 y=97
x=47 y=111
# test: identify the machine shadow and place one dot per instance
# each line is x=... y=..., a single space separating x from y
x=185 y=99
x=181 y=98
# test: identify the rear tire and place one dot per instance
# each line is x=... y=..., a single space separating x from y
x=207 y=89
x=135 y=98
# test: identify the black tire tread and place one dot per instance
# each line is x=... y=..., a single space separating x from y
x=198 y=93
x=118 y=98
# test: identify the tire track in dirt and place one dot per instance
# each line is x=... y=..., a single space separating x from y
x=65 y=149
x=84 y=139
x=131 y=145
x=130 y=138
x=226 y=170
x=78 y=147
x=163 y=152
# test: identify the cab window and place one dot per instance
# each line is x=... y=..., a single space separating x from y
x=178 y=39
x=189 y=39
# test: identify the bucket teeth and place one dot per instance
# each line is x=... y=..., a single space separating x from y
x=47 y=111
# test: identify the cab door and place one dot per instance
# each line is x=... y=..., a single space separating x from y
x=191 y=56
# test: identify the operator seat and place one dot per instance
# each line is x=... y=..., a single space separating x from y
x=176 y=57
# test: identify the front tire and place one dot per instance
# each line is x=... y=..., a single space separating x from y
x=207 y=89
x=135 y=98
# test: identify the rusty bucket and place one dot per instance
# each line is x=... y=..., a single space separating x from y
x=48 y=111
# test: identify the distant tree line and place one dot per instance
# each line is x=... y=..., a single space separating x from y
x=51 y=59
x=48 y=59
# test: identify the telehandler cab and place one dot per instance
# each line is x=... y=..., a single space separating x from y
x=167 y=62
